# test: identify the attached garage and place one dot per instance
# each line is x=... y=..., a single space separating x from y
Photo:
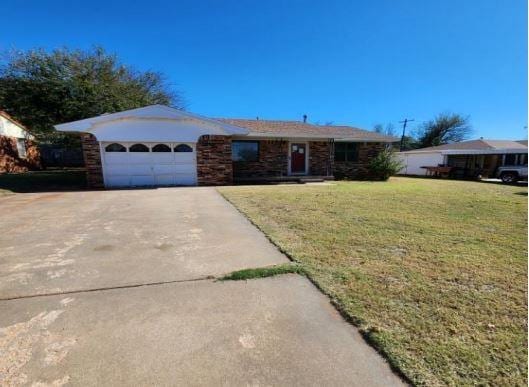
x=155 y=146
x=148 y=164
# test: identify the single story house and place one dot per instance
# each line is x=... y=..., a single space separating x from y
x=466 y=159
x=18 y=153
x=159 y=146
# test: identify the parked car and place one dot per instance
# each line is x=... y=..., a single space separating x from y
x=512 y=173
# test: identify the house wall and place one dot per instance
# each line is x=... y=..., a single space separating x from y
x=321 y=158
x=414 y=161
x=92 y=160
x=273 y=161
x=214 y=165
x=10 y=162
x=358 y=169
x=10 y=129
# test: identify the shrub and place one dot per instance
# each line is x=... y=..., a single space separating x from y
x=385 y=165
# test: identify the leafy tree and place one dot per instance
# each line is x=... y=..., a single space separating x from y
x=444 y=129
x=41 y=88
x=385 y=165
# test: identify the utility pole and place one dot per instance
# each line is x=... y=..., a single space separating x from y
x=405 y=122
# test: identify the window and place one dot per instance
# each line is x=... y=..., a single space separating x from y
x=138 y=148
x=345 y=151
x=115 y=148
x=161 y=148
x=183 y=148
x=21 y=148
x=245 y=150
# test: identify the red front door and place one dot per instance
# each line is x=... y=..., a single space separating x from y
x=298 y=152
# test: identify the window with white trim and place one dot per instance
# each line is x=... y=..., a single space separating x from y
x=21 y=148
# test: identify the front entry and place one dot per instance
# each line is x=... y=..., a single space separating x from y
x=298 y=154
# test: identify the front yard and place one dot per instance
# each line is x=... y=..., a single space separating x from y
x=434 y=272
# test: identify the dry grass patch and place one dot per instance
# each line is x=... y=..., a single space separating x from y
x=434 y=272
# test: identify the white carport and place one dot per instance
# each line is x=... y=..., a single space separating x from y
x=151 y=146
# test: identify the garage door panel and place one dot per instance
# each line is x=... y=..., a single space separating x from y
x=185 y=157
x=116 y=157
x=141 y=180
x=165 y=179
x=185 y=180
x=163 y=158
x=117 y=169
x=140 y=158
x=118 y=181
x=182 y=168
x=123 y=169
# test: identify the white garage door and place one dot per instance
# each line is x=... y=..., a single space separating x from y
x=128 y=164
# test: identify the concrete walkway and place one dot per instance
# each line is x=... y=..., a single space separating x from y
x=111 y=288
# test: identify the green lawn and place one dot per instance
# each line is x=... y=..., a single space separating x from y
x=434 y=272
x=42 y=181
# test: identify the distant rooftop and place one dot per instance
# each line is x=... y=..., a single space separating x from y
x=476 y=145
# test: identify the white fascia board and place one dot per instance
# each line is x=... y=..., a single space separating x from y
x=153 y=112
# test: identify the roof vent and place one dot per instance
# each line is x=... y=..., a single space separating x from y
x=304 y=118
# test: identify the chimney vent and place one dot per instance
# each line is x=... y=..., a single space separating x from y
x=304 y=118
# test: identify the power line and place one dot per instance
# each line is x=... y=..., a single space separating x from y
x=405 y=122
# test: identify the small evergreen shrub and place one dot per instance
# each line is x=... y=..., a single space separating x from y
x=385 y=165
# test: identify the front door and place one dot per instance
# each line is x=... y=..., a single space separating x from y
x=298 y=152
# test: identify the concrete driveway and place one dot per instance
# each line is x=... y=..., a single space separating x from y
x=115 y=288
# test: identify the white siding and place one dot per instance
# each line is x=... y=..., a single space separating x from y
x=10 y=129
x=414 y=161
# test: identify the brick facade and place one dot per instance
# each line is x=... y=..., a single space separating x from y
x=321 y=158
x=214 y=165
x=92 y=160
x=10 y=162
x=272 y=162
x=358 y=169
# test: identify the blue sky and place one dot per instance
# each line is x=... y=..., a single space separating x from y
x=350 y=62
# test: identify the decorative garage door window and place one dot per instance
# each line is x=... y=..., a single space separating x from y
x=115 y=147
x=161 y=148
x=138 y=148
x=183 y=148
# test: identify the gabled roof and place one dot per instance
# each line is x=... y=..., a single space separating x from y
x=8 y=117
x=274 y=128
x=147 y=113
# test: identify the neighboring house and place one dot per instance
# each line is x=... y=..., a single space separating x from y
x=467 y=158
x=18 y=153
x=159 y=145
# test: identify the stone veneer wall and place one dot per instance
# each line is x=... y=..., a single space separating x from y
x=321 y=158
x=92 y=160
x=273 y=161
x=358 y=169
x=10 y=162
x=214 y=165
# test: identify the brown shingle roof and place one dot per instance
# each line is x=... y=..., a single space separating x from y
x=272 y=128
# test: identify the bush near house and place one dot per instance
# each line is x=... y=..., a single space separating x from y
x=384 y=165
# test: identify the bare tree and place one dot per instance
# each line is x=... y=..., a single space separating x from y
x=388 y=130
x=444 y=129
